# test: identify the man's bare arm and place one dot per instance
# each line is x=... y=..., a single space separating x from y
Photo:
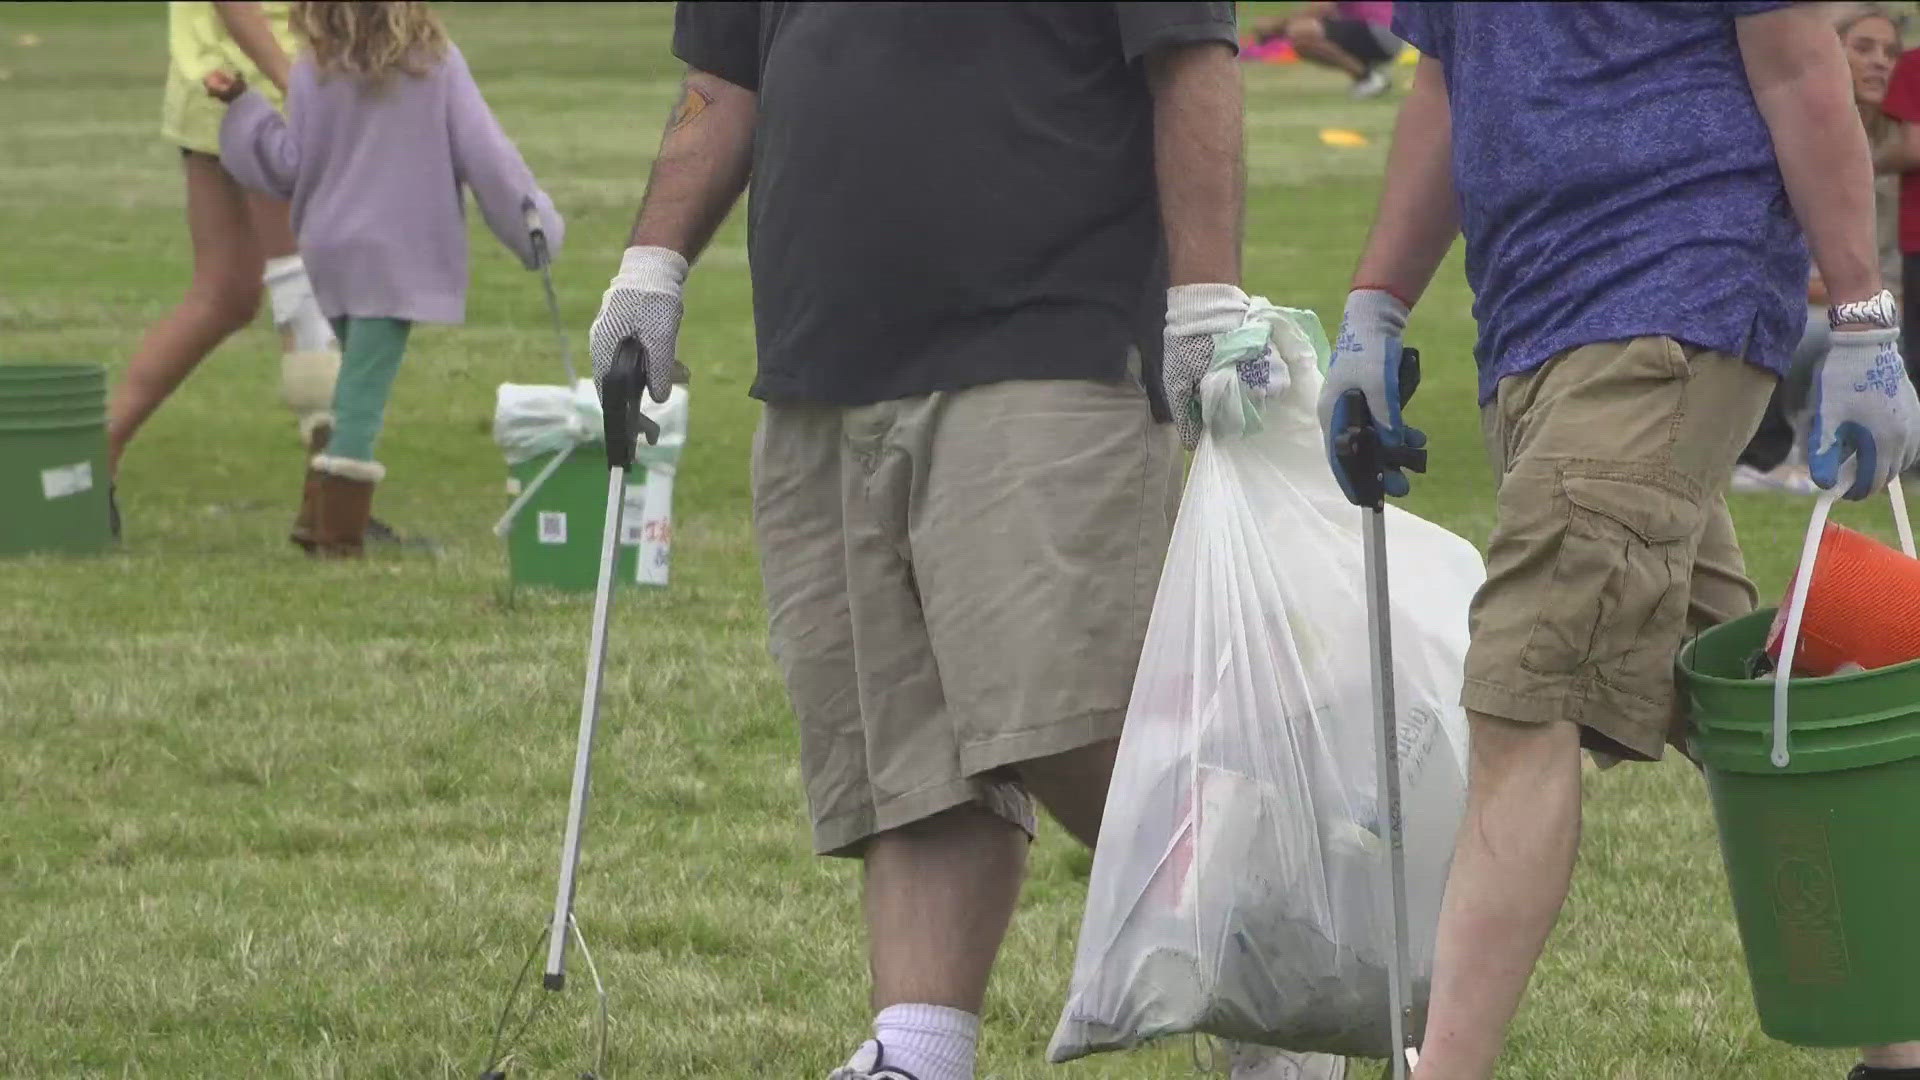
x=1798 y=72
x=1199 y=160
x=705 y=158
x=1418 y=216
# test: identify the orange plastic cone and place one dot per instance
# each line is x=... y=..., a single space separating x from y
x=1863 y=607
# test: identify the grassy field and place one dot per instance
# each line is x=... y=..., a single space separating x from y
x=266 y=817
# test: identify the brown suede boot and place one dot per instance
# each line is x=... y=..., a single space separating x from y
x=344 y=504
x=303 y=521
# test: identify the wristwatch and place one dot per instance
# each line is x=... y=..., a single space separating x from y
x=1878 y=311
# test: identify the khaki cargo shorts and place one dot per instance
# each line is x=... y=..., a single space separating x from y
x=1612 y=541
x=957 y=583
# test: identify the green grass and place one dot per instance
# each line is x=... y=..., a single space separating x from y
x=266 y=817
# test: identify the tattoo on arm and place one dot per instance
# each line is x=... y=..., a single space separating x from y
x=693 y=101
x=701 y=168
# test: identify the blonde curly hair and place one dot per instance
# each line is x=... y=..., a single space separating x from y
x=370 y=39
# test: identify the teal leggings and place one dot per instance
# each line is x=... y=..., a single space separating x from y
x=370 y=352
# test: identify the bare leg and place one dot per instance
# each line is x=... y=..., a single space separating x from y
x=939 y=896
x=1309 y=37
x=1896 y=1056
x=1073 y=787
x=222 y=298
x=1511 y=870
x=273 y=234
x=272 y=225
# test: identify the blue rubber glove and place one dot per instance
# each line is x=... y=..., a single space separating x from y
x=1864 y=408
x=1367 y=358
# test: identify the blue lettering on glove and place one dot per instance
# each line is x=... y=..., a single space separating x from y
x=1887 y=373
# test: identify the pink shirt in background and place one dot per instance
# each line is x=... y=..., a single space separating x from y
x=1374 y=12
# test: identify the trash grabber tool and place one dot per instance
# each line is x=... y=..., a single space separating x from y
x=544 y=256
x=624 y=425
x=1365 y=458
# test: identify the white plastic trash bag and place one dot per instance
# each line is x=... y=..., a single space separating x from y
x=529 y=421
x=1239 y=885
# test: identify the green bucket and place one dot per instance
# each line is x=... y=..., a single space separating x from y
x=1822 y=855
x=557 y=483
x=53 y=459
x=84 y=406
x=72 y=374
x=555 y=538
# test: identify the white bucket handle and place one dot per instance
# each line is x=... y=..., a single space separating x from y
x=1797 y=603
x=533 y=488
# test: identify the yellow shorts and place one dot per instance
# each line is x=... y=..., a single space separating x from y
x=958 y=583
x=197 y=43
x=1611 y=541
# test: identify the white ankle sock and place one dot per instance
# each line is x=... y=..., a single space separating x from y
x=930 y=1041
x=295 y=312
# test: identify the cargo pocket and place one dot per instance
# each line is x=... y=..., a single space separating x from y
x=1617 y=608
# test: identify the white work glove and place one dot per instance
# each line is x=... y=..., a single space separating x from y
x=1367 y=358
x=1864 y=407
x=1197 y=315
x=643 y=302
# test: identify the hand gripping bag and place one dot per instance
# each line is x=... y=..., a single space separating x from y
x=1238 y=889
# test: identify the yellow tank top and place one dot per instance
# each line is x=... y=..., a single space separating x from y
x=197 y=40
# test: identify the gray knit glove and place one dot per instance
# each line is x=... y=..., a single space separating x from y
x=1196 y=315
x=644 y=302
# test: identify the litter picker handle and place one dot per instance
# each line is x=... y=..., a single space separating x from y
x=543 y=262
x=536 y=230
x=620 y=390
x=1363 y=457
x=1373 y=531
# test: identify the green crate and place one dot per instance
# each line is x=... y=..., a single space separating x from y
x=555 y=539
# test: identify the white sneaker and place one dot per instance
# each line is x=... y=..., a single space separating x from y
x=1266 y=1063
x=868 y=1063
x=1371 y=85
x=1789 y=478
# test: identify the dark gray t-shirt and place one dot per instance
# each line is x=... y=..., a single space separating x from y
x=948 y=194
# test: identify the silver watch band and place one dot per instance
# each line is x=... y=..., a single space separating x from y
x=1878 y=311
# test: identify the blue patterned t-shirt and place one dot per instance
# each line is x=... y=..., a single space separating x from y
x=1615 y=179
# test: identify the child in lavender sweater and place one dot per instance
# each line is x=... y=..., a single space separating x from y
x=384 y=128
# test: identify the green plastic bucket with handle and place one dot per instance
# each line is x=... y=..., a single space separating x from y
x=53 y=459
x=53 y=375
x=1815 y=785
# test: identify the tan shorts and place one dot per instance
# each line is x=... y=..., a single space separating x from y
x=957 y=583
x=1612 y=540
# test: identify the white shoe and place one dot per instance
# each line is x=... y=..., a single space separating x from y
x=868 y=1063
x=1788 y=479
x=1371 y=85
x=1266 y=1063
